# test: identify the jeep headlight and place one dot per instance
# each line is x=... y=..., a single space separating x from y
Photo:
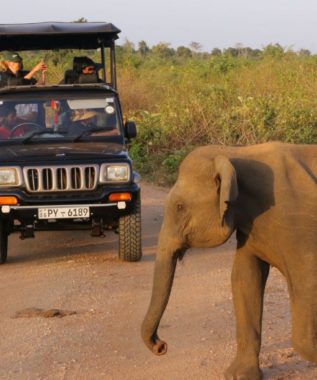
x=10 y=177
x=114 y=173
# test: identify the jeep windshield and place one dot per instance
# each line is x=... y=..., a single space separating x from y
x=53 y=116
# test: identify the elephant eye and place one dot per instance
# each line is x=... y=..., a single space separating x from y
x=179 y=206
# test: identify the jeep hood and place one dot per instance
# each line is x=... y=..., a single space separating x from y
x=64 y=151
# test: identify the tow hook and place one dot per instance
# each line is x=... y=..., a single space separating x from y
x=97 y=229
x=27 y=232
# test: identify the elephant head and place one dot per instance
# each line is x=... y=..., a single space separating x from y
x=199 y=212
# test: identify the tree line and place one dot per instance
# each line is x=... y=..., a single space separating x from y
x=195 y=49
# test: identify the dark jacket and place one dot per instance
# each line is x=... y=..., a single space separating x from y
x=7 y=78
x=73 y=77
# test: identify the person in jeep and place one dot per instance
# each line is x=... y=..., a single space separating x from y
x=85 y=70
x=13 y=73
x=65 y=165
x=83 y=119
x=8 y=120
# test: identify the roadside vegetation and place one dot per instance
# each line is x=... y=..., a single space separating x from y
x=181 y=98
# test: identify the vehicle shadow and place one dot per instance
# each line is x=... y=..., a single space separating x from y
x=63 y=246
x=60 y=245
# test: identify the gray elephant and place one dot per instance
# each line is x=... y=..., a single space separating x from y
x=267 y=194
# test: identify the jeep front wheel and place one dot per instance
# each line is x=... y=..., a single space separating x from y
x=130 y=248
x=3 y=243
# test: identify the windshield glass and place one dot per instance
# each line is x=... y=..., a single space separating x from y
x=59 y=117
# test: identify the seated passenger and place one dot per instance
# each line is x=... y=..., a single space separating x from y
x=8 y=120
x=82 y=120
x=85 y=70
x=13 y=73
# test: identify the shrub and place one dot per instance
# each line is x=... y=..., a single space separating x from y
x=181 y=99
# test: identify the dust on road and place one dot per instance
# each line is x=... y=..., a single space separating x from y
x=99 y=338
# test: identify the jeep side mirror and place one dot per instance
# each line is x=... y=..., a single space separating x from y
x=130 y=129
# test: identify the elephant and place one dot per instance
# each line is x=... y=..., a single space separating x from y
x=267 y=195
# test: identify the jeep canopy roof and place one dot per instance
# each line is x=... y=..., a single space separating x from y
x=57 y=35
x=64 y=35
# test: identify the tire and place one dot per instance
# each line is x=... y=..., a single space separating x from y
x=130 y=247
x=3 y=243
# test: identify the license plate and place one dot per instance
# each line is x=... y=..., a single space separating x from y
x=63 y=212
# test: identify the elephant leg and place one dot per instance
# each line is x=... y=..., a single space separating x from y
x=248 y=279
x=304 y=318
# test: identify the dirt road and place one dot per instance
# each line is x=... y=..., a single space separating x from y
x=73 y=272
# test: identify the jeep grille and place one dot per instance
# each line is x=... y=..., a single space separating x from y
x=61 y=178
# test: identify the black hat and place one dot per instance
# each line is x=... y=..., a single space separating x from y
x=79 y=63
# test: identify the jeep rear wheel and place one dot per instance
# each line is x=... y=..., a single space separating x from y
x=130 y=248
x=3 y=242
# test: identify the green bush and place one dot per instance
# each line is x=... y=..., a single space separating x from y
x=223 y=100
x=181 y=99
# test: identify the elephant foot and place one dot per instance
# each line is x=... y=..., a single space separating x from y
x=241 y=371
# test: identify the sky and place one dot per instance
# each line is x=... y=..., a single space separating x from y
x=212 y=23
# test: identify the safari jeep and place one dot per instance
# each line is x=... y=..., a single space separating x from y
x=53 y=175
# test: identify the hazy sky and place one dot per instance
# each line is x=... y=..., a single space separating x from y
x=213 y=23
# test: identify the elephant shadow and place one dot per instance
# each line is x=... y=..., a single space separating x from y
x=256 y=194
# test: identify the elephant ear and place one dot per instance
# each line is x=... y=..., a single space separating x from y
x=225 y=175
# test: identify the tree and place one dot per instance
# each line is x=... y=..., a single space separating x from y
x=246 y=52
x=184 y=52
x=143 y=48
x=163 y=50
x=304 y=52
x=232 y=52
x=256 y=52
x=216 y=52
x=82 y=19
x=195 y=46
x=128 y=46
x=275 y=50
x=239 y=47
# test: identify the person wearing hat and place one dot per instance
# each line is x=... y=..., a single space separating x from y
x=85 y=70
x=83 y=119
x=13 y=73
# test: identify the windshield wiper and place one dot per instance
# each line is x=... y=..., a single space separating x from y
x=42 y=132
x=88 y=132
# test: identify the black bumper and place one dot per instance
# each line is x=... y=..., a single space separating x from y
x=101 y=210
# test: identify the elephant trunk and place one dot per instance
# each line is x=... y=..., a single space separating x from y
x=164 y=271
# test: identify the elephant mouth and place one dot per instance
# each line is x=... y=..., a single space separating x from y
x=194 y=242
x=206 y=243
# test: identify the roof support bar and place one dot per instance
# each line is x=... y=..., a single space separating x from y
x=113 y=67
x=103 y=61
